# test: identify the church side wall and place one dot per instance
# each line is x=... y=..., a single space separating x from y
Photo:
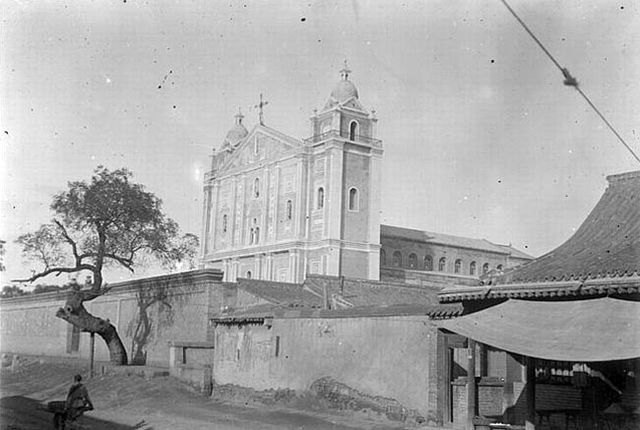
x=354 y=264
x=406 y=247
x=293 y=353
x=356 y=175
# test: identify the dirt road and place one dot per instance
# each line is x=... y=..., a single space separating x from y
x=133 y=402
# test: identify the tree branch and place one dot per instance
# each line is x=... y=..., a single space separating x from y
x=71 y=242
x=126 y=262
x=57 y=271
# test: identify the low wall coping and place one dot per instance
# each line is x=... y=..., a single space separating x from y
x=484 y=381
x=191 y=344
x=131 y=285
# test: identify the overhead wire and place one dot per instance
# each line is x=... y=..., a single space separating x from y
x=569 y=80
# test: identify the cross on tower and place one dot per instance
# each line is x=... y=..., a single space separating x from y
x=261 y=105
x=345 y=71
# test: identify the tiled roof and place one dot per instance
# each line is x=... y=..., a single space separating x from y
x=606 y=244
x=606 y=286
x=260 y=313
x=441 y=239
x=362 y=292
x=280 y=293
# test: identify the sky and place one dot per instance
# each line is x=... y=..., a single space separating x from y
x=481 y=138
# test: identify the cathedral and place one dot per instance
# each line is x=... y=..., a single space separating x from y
x=278 y=207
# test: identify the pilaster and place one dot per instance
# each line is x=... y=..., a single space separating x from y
x=206 y=215
x=299 y=191
x=333 y=195
x=213 y=215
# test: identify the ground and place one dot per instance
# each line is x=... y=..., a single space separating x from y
x=134 y=402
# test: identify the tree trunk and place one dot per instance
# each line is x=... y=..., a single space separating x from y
x=75 y=313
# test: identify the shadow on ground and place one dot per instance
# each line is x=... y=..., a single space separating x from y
x=23 y=413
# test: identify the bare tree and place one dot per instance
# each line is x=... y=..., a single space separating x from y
x=108 y=221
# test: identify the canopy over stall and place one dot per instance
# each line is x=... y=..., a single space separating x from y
x=602 y=329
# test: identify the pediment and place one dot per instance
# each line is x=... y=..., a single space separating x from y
x=261 y=144
x=353 y=103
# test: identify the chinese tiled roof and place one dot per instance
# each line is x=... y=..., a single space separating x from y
x=441 y=239
x=280 y=293
x=605 y=286
x=258 y=314
x=607 y=244
x=363 y=292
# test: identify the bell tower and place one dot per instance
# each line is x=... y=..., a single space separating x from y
x=344 y=143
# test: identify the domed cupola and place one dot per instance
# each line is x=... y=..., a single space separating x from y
x=237 y=133
x=344 y=89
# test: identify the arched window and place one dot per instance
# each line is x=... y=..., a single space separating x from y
x=289 y=210
x=413 y=261
x=320 y=202
x=472 y=268
x=353 y=199
x=254 y=232
x=256 y=188
x=499 y=267
x=224 y=223
x=248 y=276
x=397 y=259
x=441 y=264
x=383 y=258
x=428 y=262
x=353 y=130
x=457 y=266
x=485 y=268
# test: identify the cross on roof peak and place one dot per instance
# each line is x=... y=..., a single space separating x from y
x=260 y=106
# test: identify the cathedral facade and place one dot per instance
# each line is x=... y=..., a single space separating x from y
x=277 y=207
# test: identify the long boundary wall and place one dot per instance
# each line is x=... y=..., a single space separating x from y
x=28 y=324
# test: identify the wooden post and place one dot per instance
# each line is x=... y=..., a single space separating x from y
x=530 y=418
x=484 y=359
x=92 y=344
x=471 y=383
